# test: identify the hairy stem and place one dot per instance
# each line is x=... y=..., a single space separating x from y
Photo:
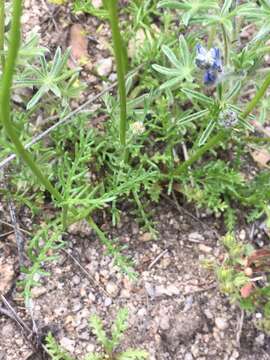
x=213 y=142
x=211 y=37
x=226 y=45
x=2 y=32
x=120 y=64
x=260 y=93
x=5 y=116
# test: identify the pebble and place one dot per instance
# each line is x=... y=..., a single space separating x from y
x=84 y=336
x=170 y=290
x=76 y=280
x=112 y=289
x=242 y=235
x=188 y=356
x=235 y=355
x=146 y=237
x=195 y=237
x=260 y=339
x=104 y=66
x=208 y=314
x=164 y=322
x=142 y=312
x=107 y=302
x=68 y=344
x=77 y=306
x=150 y=289
x=204 y=248
x=7 y=331
x=38 y=291
x=97 y=4
x=221 y=323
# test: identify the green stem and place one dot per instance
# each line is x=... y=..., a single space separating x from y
x=2 y=32
x=257 y=97
x=213 y=142
x=226 y=45
x=120 y=64
x=257 y=140
x=212 y=35
x=5 y=118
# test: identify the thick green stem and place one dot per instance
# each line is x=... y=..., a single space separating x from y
x=211 y=37
x=260 y=93
x=213 y=142
x=120 y=64
x=226 y=45
x=2 y=32
x=5 y=118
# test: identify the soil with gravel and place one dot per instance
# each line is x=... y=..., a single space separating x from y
x=175 y=308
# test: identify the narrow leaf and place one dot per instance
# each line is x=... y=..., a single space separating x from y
x=207 y=132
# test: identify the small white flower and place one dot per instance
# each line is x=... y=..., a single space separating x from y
x=137 y=128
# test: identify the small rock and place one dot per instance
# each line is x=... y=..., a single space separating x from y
x=69 y=323
x=146 y=237
x=150 y=289
x=68 y=344
x=260 y=339
x=142 y=312
x=38 y=291
x=188 y=356
x=195 y=350
x=107 y=302
x=242 y=235
x=195 y=237
x=112 y=289
x=81 y=227
x=97 y=4
x=221 y=323
x=77 y=306
x=7 y=273
x=188 y=303
x=90 y=348
x=208 y=314
x=172 y=290
x=85 y=336
x=164 y=322
x=104 y=66
x=7 y=331
x=235 y=355
x=204 y=248
x=76 y=280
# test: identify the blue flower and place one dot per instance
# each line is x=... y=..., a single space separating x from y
x=208 y=59
x=210 y=77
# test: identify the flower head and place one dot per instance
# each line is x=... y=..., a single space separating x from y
x=210 y=77
x=137 y=128
x=208 y=59
x=228 y=118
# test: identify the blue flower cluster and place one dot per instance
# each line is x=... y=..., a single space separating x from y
x=210 y=61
